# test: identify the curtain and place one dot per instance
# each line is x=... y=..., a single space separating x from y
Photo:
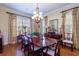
x=76 y=27
x=23 y=25
x=12 y=28
x=46 y=22
x=63 y=24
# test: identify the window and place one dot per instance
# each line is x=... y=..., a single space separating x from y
x=23 y=25
x=68 y=23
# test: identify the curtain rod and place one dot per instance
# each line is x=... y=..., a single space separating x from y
x=18 y=14
x=69 y=9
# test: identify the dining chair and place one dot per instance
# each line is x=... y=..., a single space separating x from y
x=34 y=48
x=68 y=41
x=53 y=50
x=25 y=44
x=39 y=52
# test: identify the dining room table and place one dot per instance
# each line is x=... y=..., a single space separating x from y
x=41 y=42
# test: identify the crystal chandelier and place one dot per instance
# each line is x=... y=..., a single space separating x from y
x=37 y=15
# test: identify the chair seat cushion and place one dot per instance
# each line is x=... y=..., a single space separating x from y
x=35 y=48
x=67 y=41
x=53 y=48
x=50 y=52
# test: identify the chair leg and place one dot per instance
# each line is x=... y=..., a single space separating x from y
x=71 y=47
x=61 y=43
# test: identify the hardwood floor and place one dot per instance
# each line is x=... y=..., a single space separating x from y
x=14 y=50
x=67 y=52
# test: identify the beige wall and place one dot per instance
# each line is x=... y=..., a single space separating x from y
x=4 y=26
x=36 y=27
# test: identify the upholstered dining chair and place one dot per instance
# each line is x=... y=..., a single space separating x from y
x=68 y=41
x=25 y=44
x=53 y=50
x=35 y=34
x=34 y=48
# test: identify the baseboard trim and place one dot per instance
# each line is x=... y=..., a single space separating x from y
x=9 y=44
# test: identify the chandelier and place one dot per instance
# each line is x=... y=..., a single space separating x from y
x=37 y=15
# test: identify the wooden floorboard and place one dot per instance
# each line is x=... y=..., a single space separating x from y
x=67 y=52
x=14 y=50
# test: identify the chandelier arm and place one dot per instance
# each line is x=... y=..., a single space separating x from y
x=37 y=16
x=37 y=8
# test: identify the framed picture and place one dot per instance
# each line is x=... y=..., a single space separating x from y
x=54 y=25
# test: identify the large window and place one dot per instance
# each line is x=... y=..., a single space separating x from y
x=23 y=25
x=68 y=23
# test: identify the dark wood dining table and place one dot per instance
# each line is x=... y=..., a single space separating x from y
x=41 y=42
x=44 y=42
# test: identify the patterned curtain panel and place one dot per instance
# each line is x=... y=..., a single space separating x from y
x=46 y=22
x=12 y=28
x=76 y=27
x=23 y=25
x=63 y=24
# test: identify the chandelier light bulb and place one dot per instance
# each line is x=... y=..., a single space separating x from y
x=34 y=12
x=37 y=15
x=40 y=13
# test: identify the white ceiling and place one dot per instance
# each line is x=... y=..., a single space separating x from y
x=29 y=8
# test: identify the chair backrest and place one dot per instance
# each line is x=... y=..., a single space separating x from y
x=57 y=48
x=25 y=40
x=68 y=36
x=36 y=33
x=32 y=43
x=34 y=40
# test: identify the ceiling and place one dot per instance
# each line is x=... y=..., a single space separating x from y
x=29 y=8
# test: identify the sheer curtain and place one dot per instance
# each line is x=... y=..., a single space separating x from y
x=68 y=23
x=46 y=23
x=23 y=25
x=63 y=24
x=17 y=24
x=76 y=27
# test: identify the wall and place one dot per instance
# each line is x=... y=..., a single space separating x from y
x=35 y=26
x=4 y=26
